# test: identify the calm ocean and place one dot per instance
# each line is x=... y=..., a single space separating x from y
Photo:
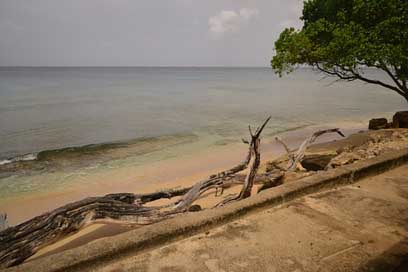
x=140 y=110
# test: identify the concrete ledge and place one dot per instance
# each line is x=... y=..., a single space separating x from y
x=139 y=240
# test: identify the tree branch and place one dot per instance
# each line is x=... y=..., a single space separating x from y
x=19 y=242
x=279 y=140
x=391 y=75
x=255 y=160
x=350 y=75
x=300 y=153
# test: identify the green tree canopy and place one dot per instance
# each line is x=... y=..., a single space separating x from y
x=343 y=37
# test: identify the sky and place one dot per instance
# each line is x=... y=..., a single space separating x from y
x=143 y=32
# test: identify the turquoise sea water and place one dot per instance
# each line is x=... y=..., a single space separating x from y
x=67 y=118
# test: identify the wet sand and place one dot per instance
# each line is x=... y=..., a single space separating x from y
x=171 y=173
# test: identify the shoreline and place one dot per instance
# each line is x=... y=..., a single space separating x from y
x=104 y=229
x=180 y=171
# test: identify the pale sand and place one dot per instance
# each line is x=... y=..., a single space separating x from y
x=176 y=172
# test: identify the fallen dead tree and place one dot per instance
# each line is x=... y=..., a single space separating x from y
x=254 y=157
x=19 y=242
x=295 y=157
x=3 y=221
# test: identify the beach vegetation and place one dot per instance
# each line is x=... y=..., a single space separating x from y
x=346 y=39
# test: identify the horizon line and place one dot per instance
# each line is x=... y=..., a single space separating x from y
x=129 y=66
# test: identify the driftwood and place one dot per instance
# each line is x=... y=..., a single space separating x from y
x=254 y=162
x=295 y=158
x=22 y=241
x=19 y=242
x=3 y=221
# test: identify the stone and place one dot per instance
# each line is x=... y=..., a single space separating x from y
x=195 y=208
x=271 y=180
x=345 y=158
x=400 y=119
x=316 y=162
x=378 y=123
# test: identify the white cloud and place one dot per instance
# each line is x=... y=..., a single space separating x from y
x=229 y=20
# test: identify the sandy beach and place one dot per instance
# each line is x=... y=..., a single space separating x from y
x=128 y=124
x=176 y=172
x=181 y=171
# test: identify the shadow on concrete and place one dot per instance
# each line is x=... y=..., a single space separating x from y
x=393 y=260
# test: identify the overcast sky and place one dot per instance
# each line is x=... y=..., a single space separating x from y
x=142 y=32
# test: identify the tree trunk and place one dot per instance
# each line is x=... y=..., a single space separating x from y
x=22 y=241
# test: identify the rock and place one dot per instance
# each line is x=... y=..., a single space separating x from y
x=195 y=208
x=400 y=119
x=395 y=136
x=378 y=123
x=316 y=162
x=345 y=158
x=271 y=180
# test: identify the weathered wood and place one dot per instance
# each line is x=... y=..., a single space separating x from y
x=254 y=161
x=295 y=158
x=3 y=221
x=215 y=181
x=19 y=242
x=22 y=241
x=279 y=140
x=302 y=149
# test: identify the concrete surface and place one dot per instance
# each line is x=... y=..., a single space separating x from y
x=360 y=227
x=103 y=252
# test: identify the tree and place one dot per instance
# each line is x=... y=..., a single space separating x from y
x=342 y=38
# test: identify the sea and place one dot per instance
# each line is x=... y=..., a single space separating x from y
x=61 y=119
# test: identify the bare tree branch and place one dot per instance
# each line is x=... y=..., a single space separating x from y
x=300 y=153
x=19 y=242
x=391 y=75
x=279 y=140
x=349 y=74
x=255 y=160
